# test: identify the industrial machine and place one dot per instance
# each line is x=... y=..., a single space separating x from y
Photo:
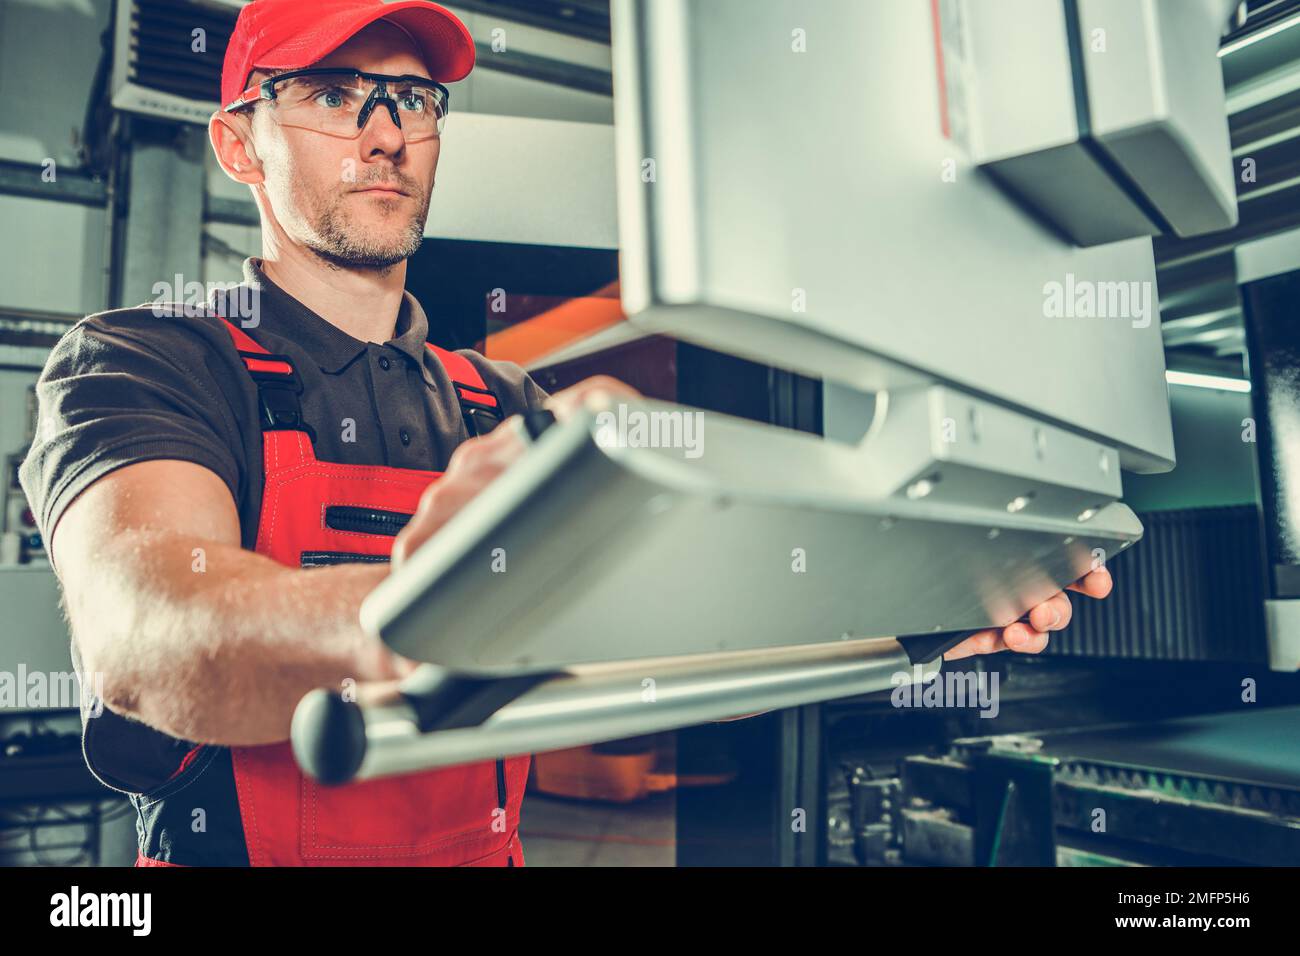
x=866 y=194
x=1215 y=789
x=986 y=266
x=148 y=75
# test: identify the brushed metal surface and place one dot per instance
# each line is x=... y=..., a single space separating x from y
x=799 y=216
x=1157 y=104
x=583 y=552
x=611 y=702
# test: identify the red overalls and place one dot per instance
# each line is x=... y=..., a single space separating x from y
x=318 y=513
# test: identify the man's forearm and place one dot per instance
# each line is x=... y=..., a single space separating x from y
x=212 y=643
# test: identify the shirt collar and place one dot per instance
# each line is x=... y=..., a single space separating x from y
x=412 y=331
x=330 y=347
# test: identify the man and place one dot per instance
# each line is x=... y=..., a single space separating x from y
x=220 y=491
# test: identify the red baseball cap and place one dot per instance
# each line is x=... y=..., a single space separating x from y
x=294 y=34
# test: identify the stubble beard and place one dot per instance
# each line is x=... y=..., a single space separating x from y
x=342 y=243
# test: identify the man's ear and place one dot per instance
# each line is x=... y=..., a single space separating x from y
x=232 y=141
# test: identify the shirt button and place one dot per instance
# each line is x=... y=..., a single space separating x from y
x=405 y=436
x=383 y=362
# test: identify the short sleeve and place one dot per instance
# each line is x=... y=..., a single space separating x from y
x=509 y=380
x=534 y=393
x=125 y=387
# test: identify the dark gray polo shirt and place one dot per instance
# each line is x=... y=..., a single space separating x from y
x=138 y=384
x=133 y=385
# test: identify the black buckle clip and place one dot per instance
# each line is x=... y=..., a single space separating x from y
x=480 y=417
x=277 y=394
x=479 y=420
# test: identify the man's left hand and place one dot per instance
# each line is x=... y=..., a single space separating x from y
x=1029 y=634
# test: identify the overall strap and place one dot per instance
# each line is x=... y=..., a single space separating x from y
x=278 y=386
x=478 y=405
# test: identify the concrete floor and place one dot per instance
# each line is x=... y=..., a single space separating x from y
x=562 y=832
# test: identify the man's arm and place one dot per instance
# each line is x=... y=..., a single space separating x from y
x=206 y=641
x=193 y=635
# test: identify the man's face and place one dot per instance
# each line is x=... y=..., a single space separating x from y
x=357 y=203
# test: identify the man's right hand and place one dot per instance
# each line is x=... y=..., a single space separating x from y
x=476 y=461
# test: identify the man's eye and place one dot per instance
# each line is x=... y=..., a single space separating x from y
x=332 y=98
x=413 y=102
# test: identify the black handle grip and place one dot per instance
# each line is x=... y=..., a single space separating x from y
x=537 y=420
x=923 y=648
x=329 y=736
x=442 y=700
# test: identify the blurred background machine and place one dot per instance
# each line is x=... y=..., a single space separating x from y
x=52 y=811
x=1193 y=791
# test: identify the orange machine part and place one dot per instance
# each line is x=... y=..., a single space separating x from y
x=585 y=773
x=547 y=331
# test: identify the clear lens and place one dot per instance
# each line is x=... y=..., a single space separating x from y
x=332 y=103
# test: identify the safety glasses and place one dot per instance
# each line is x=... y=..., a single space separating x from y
x=340 y=102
